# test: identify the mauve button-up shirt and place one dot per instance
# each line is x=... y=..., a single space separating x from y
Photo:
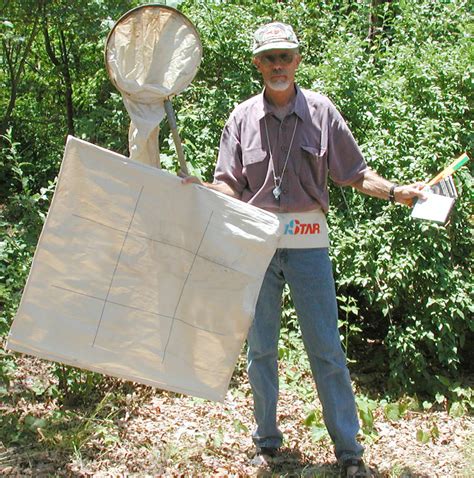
x=322 y=146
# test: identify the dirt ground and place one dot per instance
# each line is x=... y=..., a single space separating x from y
x=147 y=432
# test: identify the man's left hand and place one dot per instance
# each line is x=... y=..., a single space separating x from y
x=406 y=194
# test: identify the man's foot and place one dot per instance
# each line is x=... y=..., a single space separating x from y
x=264 y=455
x=354 y=468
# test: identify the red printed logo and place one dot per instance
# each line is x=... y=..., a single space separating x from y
x=295 y=227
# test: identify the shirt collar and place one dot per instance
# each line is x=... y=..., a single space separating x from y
x=299 y=105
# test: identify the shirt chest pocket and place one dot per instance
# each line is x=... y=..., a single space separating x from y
x=255 y=167
x=313 y=165
x=313 y=152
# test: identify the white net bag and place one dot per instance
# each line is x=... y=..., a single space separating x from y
x=152 y=53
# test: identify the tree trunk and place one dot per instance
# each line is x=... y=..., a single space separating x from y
x=15 y=70
x=68 y=85
x=63 y=67
x=376 y=19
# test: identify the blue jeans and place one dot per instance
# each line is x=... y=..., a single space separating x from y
x=308 y=272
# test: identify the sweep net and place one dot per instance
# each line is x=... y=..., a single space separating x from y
x=152 y=53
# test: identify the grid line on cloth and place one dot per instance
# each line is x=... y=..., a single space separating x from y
x=184 y=286
x=138 y=309
x=116 y=265
x=158 y=241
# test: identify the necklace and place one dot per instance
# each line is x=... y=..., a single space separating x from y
x=278 y=179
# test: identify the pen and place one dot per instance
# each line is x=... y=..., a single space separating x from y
x=454 y=166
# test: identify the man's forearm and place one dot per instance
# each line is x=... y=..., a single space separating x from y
x=375 y=185
x=219 y=186
x=222 y=188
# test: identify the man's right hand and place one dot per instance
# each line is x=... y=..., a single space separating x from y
x=190 y=179
x=221 y=187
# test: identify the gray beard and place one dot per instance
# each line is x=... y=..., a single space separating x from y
x=278 y=85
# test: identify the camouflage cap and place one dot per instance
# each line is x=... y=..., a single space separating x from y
x=274 y=36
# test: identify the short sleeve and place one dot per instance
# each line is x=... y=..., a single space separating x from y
x=346 y=163
x=229 y=162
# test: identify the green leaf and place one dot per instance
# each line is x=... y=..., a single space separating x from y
x=310 y=419
x=173 y=3
x=392 y=411
x=444 y=380
x=218 y=438
x=427 y=405
x=318 y=433
x=34 y=423
x=457 y=410
x=422 y=436
x=440 y=398
x=240 y=427
x=434 y=432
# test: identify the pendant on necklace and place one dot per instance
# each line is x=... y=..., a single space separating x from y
x=277 y=191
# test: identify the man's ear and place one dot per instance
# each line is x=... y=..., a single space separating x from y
x=256 y=62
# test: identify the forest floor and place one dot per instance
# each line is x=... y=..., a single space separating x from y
x=133 y=430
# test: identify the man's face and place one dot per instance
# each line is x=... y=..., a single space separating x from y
x=278 y=68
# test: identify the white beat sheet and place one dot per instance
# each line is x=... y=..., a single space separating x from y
x=140 y=277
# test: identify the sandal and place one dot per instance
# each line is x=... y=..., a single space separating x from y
x=264 y=456
x=354 y=468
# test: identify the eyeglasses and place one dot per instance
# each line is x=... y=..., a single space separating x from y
x=271 y=59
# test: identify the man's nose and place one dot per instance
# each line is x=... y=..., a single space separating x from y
x=277 y=62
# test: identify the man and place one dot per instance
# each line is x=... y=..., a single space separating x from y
x=276 y=152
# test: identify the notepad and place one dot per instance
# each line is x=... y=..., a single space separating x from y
x=435 y=207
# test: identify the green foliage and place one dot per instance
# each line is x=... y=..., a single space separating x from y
x=21 y=221
x=63 y=429
x=408 y=106
x=314 y=421
x=394 y=411
x=366 y=408
x=74 y=386
x=348 y=307
x=406 y=95
x=425 y=435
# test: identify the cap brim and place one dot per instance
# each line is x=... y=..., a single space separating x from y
x=284 y=45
